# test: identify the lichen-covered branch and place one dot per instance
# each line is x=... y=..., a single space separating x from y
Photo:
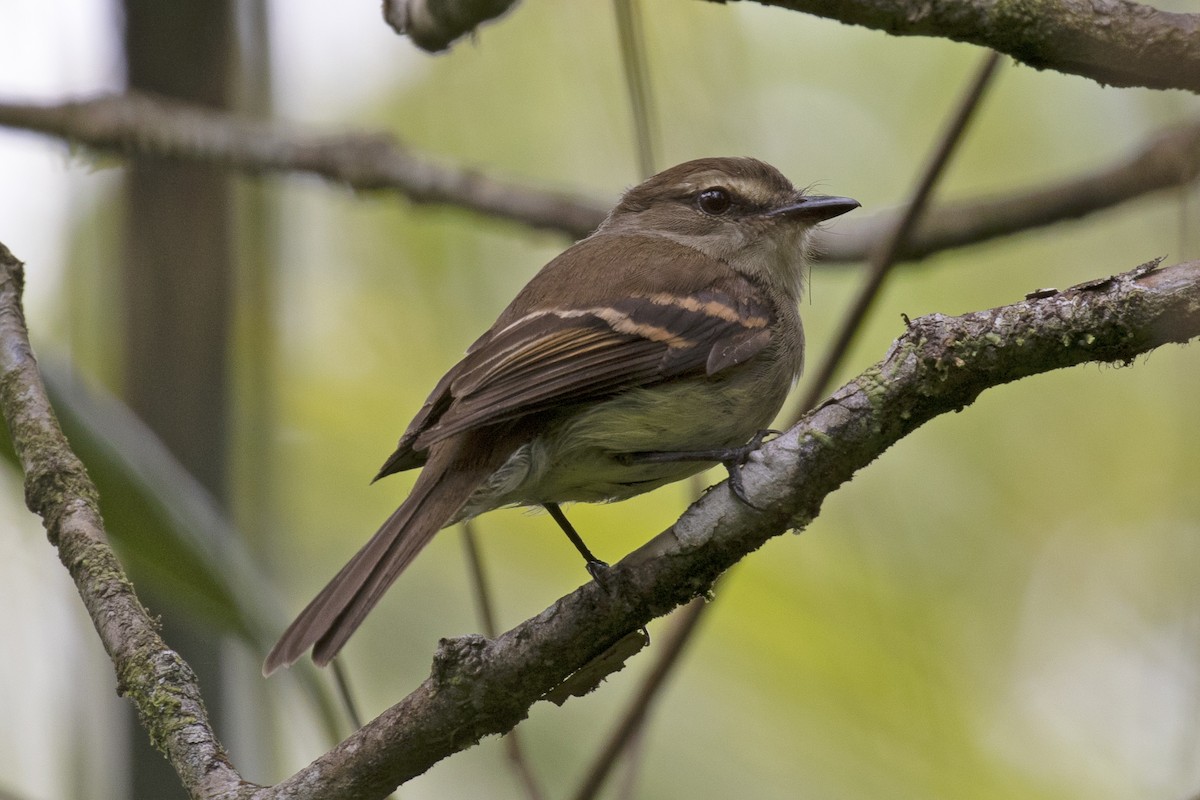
x=140 y=125
x=1116 y=42
x=1113 y=42
x=482 y=686
x=159 y=683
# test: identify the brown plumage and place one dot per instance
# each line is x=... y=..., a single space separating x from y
x=672 y=328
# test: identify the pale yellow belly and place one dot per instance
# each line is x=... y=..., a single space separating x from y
x=579 y=458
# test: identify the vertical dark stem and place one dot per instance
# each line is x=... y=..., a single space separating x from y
x=884 y=258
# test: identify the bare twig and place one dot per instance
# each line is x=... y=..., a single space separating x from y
x=136 y=123
x=160 y=683
x=1167 y=159
x=480 y=686
x=883 y=259
x=669 y=658
x=941 y=364
x=479 y=581
x=487 y=617
x=144 y=125
x=637 y=82
x=342 y=681
x=1117 y=42
x=433 y=25
x=628 y=728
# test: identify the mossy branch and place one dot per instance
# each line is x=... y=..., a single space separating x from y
x=57 y=488
x=1116 y=42
x=482 y=686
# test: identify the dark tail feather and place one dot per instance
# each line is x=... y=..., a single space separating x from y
x=333 y=615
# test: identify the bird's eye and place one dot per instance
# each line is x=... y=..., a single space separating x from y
x=714 y=202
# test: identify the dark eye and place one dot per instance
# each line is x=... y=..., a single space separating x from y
x=715 y=201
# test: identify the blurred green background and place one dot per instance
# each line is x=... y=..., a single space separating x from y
x=1004 y=605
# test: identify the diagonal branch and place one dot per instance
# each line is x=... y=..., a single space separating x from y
x=1167 y=159
x=1114 y=42
x=138 y=124
x=160 y=684
x=481 y=686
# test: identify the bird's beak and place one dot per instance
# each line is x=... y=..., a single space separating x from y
x=815 y=208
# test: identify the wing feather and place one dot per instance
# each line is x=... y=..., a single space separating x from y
x=641 y=326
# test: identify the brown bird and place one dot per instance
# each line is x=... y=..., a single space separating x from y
x=645 y=353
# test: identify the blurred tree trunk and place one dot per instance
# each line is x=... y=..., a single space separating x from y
x=177 y=276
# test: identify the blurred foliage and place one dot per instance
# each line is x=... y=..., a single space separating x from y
x=1002 y=606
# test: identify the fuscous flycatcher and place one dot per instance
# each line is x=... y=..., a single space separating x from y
x=671 y=332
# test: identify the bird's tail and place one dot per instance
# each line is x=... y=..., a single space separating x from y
x=325 y=624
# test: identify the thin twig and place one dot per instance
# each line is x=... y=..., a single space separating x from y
x=941 y=364
x=631 y=722
x=884 y=258
x=668 y=658
x=635 y=758
x=627 y=735
x=342 y=681
x=144 y=125
x=136 y=124
x=637 y=82
x=487 y=618
x=1167 y=159
x=479 y=581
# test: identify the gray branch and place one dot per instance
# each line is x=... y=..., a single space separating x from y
x=140 y=125
x=57 y=488
x=481 y=686
x=1113 y=42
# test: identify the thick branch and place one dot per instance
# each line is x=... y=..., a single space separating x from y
x=480 y=686
x=160 y=684
x=1114 y=42
x=143 y=125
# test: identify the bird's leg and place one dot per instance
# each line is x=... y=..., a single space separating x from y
x=595 y=567
x=732 y=458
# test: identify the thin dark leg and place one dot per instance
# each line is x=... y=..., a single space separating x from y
x=595 y=566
